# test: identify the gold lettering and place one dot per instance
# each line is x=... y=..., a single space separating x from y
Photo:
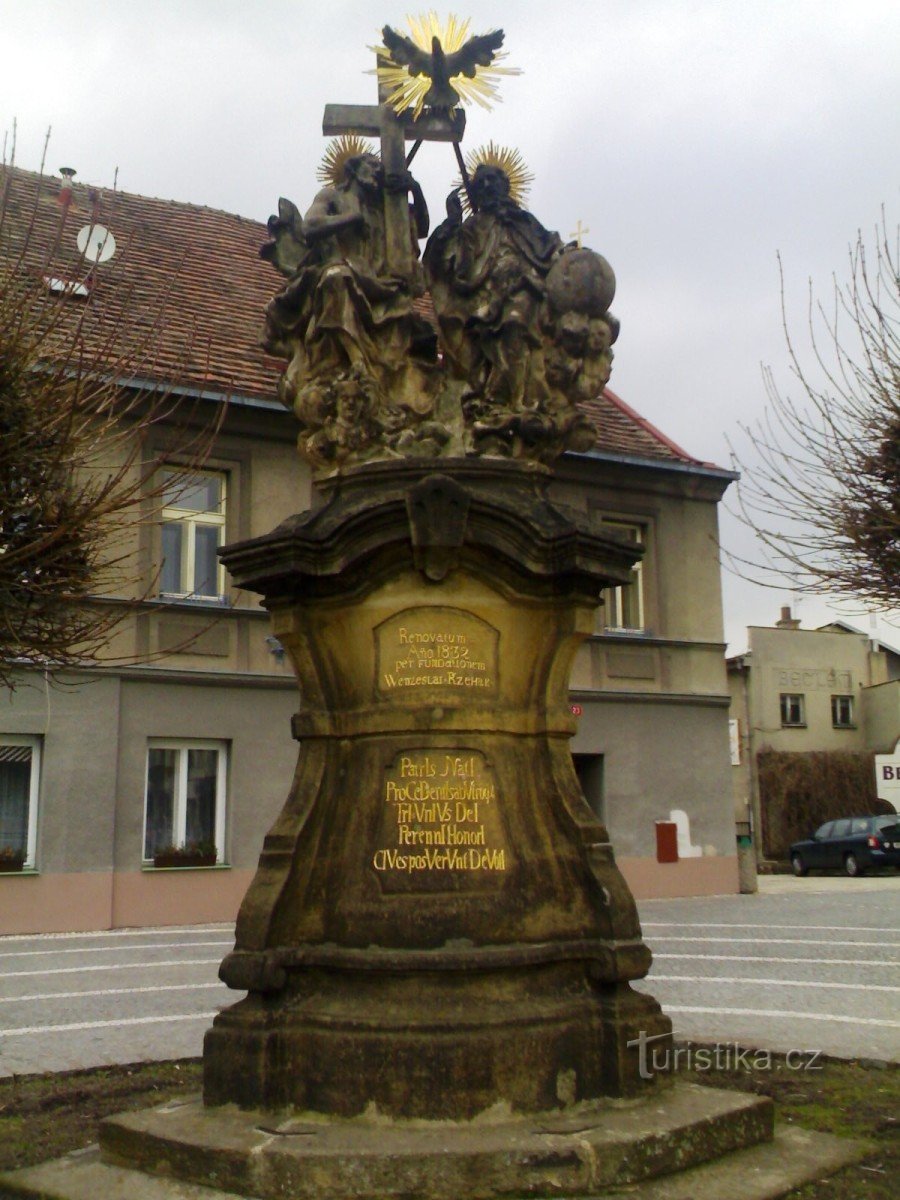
x=444 y=817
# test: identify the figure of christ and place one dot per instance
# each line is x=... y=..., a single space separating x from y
x=344 y=320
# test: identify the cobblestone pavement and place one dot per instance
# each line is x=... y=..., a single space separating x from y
x=806 y=964
x=119 y=996
x=810 y=964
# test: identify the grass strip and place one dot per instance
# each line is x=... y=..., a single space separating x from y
x=45 y=1116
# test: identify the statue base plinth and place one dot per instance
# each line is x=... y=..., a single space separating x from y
x=440 y=1045
x=688 y=1143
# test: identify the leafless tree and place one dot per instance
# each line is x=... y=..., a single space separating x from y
x=820 y=480
x=76 y=474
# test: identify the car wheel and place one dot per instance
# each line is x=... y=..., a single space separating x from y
x=797 y=865
x=851 y=865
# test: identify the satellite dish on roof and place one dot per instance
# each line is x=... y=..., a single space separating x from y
x=96 y=243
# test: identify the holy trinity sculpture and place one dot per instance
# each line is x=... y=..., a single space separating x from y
x=520 y=331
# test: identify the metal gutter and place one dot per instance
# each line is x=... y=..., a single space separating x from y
x=657 y=464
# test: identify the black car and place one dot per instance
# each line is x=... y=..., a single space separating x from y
x=855 y=844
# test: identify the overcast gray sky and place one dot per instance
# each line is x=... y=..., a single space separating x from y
x=693 y=139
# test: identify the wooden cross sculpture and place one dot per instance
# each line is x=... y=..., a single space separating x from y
x=394 y=130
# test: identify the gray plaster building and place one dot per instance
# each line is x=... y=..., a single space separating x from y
x=184 y=739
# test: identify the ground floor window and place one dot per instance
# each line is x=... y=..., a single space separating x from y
x=185 y=799
x=20 y=765
x=842 y=712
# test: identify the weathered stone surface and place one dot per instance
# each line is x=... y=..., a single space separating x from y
x=438 y=924
x=582 y=1151
x=762 y=1172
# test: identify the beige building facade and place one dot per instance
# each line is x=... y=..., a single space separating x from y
x=183 y=744
x=800 y=690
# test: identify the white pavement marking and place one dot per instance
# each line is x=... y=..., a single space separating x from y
x=150 y=931
x=160 y=987
x=761 y=958
x=107 y=1024
x=174 y=962
x=760 y=925
x=814 y=983
x=109 y=950
x=775 y=1012
x=666 y=937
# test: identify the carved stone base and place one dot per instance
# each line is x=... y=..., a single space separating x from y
x=438 y=1046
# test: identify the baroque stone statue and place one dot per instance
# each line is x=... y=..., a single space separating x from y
x=361 y=372
x=524 y=323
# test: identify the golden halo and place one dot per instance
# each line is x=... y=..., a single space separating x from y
x=409 y=91
x=339 y=150
x=510 y=162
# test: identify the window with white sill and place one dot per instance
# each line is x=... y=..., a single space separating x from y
x=623 y=607
x=185 y=798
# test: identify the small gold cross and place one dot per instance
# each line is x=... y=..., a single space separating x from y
x=578 y=233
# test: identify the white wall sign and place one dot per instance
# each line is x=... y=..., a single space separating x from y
x=887 y=777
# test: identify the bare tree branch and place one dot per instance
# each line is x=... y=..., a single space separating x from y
x=820 y=483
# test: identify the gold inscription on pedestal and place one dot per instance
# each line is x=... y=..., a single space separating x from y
x=447 y=649
x=441 y=828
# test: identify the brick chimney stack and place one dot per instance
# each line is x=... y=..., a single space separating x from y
x=787 y=621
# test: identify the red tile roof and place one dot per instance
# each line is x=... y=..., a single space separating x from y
x=184 y=295
x=622 y=430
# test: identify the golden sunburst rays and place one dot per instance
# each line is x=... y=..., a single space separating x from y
x=409 y=91
x=337 y=153
x=510 y=162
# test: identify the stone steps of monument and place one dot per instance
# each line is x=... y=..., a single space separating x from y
x=684 y=1143
x=762 y=1172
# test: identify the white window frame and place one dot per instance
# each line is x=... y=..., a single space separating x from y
x=189 y=519
x=613 y=612
x=784 y=701
x=34 y=790
x=179 y=819
x=837 y=702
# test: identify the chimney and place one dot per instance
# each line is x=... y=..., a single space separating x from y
x=787 y=621
x=64 y=199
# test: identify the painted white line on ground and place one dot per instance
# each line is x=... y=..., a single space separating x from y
x=175 y=962
x=108 y=950
x=762 y=925
x=777 y=1012
x=29 y=1029
x=760 y=958
x=161 y=987
x=667 y=937
x=148 y=931
x=814 y=983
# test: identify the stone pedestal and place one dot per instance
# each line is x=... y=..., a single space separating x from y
x=438 y=946
x=438 y=924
